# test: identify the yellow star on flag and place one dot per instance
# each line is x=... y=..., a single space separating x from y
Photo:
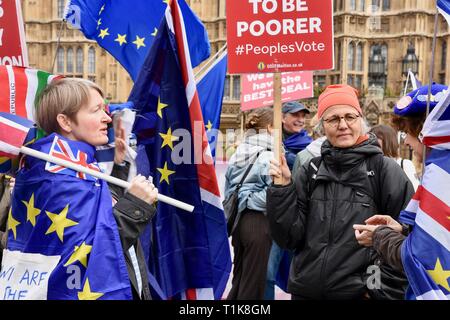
x=168 y=139
x=99 y=22
x=12 y=224
x=139 y=42
x=80 y=254
x=32 y=212
x=161 y=106
x=103 y=33
x=166 y=1
x=209 y=126
x=439 y=275
x=155 y=32
x=60 y=222
x=165 y=173
x=87 y=294
x=121 y=39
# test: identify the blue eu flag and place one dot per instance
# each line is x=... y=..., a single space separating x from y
x=127 y=29
x=210 y=93
x=190 y=255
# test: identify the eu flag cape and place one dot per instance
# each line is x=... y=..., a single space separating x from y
x=63 y=241
x=190 y=254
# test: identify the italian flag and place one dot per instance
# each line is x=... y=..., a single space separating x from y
x=19 y=88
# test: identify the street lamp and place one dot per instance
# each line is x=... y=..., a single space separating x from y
x=377 y=68
x=410 y=61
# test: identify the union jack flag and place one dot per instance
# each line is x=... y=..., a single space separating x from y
x=61 y=149
x=426 y=251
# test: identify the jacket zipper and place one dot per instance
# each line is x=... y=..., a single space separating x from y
x=330 y=237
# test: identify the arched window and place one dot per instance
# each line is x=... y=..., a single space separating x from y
x=69 y=67
x=236 y=88
x=362 y=5
x=60 y=60
x=351 y=57
x=353 y=5
x=384 y=52
x=359 y=57
x=386 y=5
x=80 y=60
x=61 y=7
x=91 y=60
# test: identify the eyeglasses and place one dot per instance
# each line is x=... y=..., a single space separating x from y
x=334 y=121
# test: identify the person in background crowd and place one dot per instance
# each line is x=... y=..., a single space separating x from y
x=313 y=213
x=251 y=240
x=387 y=138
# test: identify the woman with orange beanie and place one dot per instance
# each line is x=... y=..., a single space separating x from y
x=313 y=212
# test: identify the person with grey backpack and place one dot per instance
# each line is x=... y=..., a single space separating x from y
x=248 y=172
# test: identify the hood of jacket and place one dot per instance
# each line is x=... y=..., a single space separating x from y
x=298 y=141
x=248 y=149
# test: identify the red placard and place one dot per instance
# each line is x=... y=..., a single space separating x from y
x=13 y=50
x=279 y=35
x=257 y=89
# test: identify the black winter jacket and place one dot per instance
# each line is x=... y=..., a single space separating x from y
x=132 y=215
x=329 y=263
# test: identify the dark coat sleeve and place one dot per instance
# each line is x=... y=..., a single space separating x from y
x=388 y=243
x=131 y=213
x=286 y=210
x=395 y=190
x=132 y=216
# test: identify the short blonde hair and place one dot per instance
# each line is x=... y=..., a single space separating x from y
x=62 y=96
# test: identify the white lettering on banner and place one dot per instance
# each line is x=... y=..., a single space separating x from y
x=1 y=9
x=263 y=94
x=24 y=276
x=12 y=61
x=258 y=28
x=270 y=6
x=1 y=37
x=282 y=48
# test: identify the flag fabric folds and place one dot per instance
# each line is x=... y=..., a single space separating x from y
x=426 y=251
x=443 y=7
x=13 y=133
x=210 y=93
x=19 y=88
x=128 y=37
x=190 y=254
x=62 y=244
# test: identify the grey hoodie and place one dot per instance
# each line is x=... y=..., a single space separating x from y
x=253 y=192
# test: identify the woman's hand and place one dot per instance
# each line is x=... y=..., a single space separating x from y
x=280 y=172
x=120 y=144
x=364 y=234
x=143 y=189
x=384 y=220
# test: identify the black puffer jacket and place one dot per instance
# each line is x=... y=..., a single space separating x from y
x=328 y=262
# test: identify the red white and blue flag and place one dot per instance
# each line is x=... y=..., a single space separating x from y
x=13 y=134
x=61 y=149
x=189 y=253
x=426 y=251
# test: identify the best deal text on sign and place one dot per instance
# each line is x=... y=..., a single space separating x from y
x=279 y=35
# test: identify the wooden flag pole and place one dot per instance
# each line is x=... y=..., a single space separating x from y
x=100 y=175
x=277 y=120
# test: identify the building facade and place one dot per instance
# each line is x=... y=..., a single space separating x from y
x=372 y=39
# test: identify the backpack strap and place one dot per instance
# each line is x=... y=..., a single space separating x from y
x=313 y=168
x=239 y=185
x=374 y=169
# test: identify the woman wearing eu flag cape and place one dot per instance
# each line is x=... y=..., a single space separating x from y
x=66 y=239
